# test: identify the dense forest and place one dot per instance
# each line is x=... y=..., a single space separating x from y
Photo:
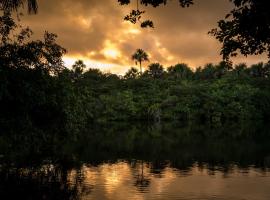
x=65 y=129
x=38 y=91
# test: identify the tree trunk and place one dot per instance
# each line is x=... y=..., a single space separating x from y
x=141 y=67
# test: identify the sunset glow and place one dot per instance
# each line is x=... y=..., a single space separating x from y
x=99 y=35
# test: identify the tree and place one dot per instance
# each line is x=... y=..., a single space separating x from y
x=246 y=29
x=206 y=73
x=180 y=71
x=132 y=73
x=155 y=70
x=222 y=68
x=140 y=56
x=10 y=5
x=259 y=70
x=17 y=51
x=78 y=68
x=29 y=72
x=240 y=69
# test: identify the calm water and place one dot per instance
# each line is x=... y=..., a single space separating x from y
x=123 y=161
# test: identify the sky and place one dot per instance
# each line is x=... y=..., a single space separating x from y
x=94 y=31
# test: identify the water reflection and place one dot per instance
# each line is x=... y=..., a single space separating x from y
x=139 y=162
x=124 y=180
x=47 y=182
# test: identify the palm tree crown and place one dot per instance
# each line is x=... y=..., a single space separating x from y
x=140 y=56
x=155 y=70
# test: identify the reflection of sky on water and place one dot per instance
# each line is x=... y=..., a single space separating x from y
x=165 y=162
x=118 y=181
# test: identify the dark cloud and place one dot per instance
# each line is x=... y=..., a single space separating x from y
x=95 y=30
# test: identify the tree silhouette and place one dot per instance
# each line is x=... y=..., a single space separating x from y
x=10 y=5
x=246 y=29
x=180 y=70
x=155 y=70
x=140 y=56
x=240 y=69
x=78 y=68
x=260 y=70
x=18 y=51
x=132 y=73
x=207 y=72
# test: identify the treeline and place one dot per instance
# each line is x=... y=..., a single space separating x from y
x=37 y=91
x=32 y=97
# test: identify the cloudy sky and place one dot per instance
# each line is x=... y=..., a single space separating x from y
x=94 y=30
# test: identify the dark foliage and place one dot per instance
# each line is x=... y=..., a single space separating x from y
x=38 y=92
x=9 y=5
x=246 y=29
x=135 y=16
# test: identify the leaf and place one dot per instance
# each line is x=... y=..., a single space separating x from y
x=147 y=23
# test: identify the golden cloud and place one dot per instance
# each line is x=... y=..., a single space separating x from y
x=96 y=32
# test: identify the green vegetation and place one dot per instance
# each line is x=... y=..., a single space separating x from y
x=38 y=92
x=55 y=121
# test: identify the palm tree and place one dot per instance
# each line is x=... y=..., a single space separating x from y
x=9 y=5
x=240 y=69
x=78 y=68
x=140 y=56
x=132 y=73
x=258 y=70
x=155 y=70
x=180 y=70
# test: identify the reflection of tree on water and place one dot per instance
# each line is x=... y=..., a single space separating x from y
x=157 y=167
x=47 y=182
x=142 y=181
x=166 y=145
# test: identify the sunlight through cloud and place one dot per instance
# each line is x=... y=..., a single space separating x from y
x=110 y=51
x=101 y=65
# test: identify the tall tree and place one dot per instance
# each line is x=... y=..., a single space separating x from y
x=140 y=56
x=78 y=68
